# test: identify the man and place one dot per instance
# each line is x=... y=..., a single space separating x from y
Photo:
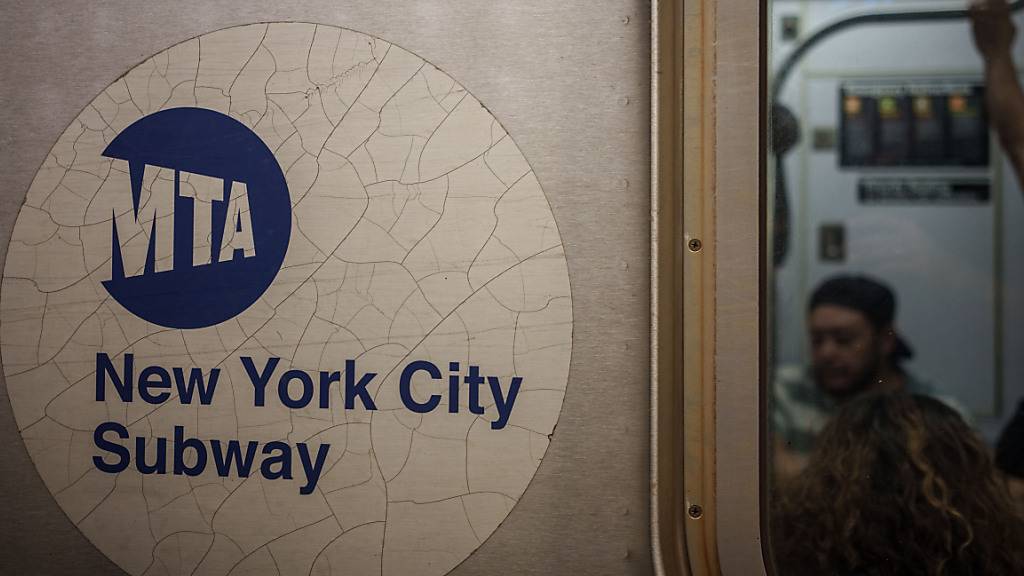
x=854 y=349
x=994 y=36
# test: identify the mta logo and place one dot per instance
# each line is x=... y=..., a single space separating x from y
x=216 y=213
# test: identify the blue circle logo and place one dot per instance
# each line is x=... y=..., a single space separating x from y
x=217 y=215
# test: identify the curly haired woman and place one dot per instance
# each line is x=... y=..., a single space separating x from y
x=898 y=485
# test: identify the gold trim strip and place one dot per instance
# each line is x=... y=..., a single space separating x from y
x=684 y=521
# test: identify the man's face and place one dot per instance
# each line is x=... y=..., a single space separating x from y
x=846 y=350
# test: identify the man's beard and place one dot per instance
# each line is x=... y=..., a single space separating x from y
x=860 y=383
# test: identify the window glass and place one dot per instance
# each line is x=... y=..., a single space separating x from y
x=896 y=286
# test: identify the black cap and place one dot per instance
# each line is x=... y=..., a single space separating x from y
x=868 y=296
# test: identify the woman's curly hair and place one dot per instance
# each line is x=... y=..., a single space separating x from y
x=897 y=485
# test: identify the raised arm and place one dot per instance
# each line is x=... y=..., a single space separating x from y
x=994 y=33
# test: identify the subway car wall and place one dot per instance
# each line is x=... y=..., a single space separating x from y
x=348 y=350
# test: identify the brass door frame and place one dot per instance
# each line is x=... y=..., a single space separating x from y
x=706 y=286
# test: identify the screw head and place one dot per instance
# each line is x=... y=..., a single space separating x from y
x=695 y=245
x=696 y=511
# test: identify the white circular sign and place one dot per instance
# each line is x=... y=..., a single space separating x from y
x=286 y=299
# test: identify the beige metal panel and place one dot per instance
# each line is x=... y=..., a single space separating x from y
x=738 y=221
x=569 y=81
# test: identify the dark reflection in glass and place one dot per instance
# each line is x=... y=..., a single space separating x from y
x=897 y=287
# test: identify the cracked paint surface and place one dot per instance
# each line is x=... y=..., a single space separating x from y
x=419 y=233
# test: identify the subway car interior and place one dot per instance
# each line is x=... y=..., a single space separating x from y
x=893 y=202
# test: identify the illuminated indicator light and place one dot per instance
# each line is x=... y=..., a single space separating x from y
x=957 y=104
x=852 y=105
x=923 y=107
x=888 y=107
